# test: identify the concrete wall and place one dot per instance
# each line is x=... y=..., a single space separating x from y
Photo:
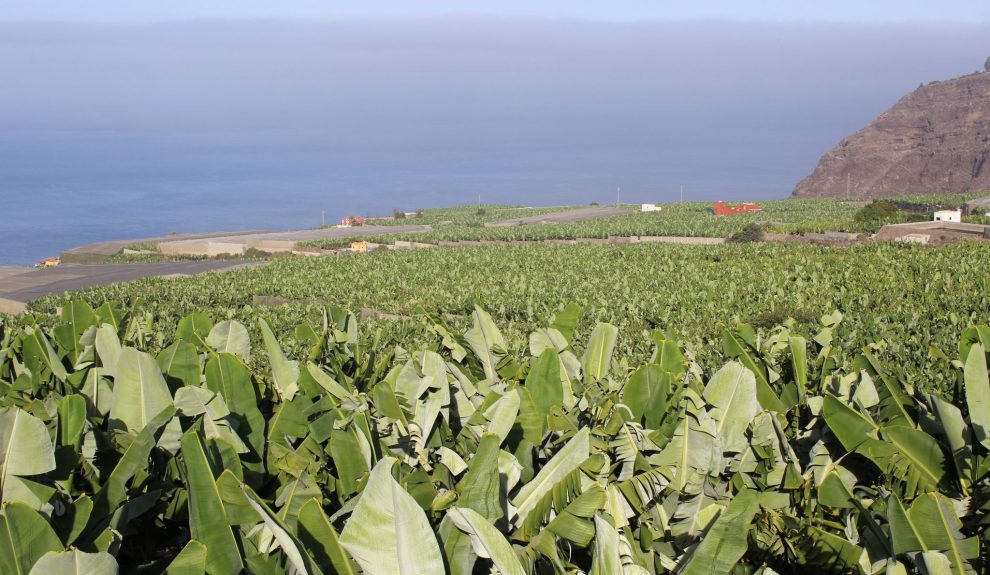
x=407 y=245
x=682 y=240
x=201 y=248
x=840 y=237
x=611 y=240
x=272 y=246
x=894 y=231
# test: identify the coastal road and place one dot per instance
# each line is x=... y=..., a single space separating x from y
x=563 y=217
x=19 y=285
x=304 y=235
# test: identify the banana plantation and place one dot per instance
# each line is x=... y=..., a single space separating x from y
x=911 y=301
x=127 y=450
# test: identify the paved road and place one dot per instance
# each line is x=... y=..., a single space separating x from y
x=564 y=217
x=25 y=284
x=306 y=235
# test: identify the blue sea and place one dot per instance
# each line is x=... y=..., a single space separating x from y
x=64 y=189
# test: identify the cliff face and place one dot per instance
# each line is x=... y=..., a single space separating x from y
x=936 y=139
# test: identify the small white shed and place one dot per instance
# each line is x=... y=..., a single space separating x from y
x=948 y=216
x=651 y=208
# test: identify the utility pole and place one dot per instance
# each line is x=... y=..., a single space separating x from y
x=618 y=192
x=323 y=216
x=682 y=193
x=479 y=201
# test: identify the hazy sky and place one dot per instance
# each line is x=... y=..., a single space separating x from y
x=473 y=77
x=870 y=11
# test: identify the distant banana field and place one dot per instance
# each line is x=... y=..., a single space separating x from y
x=914 y=300
x=691 y=219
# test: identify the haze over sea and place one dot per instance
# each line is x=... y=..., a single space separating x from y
x=130 y=130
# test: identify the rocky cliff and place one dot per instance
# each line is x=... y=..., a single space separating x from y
x=936 y=139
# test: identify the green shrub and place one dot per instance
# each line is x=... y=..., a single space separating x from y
x=750 y=233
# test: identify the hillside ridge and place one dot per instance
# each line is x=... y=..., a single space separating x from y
x=934 y=140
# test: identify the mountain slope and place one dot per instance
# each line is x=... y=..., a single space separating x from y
x=936 y=139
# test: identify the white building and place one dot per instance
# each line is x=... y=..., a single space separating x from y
x=948 y=216
x=650 y=208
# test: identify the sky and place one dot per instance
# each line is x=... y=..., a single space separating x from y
x=872 y=11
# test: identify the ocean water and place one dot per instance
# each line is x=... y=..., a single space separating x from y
x=64 y=189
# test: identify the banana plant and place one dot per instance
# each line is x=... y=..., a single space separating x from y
x=548 y=454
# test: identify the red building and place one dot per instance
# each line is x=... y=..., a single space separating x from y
x=721 y=209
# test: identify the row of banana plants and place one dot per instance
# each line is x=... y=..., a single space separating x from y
x=463 y=458
x=699 y=291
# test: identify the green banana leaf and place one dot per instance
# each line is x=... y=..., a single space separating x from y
x=207 y=518
x=978 y=393
x=533 y=497
x=190 y=561
x=230 y=337
x=180 y=363
x=40 y=356
x=646 y=394
x=486 y=342
x=606 y=559
x=736 y=345
x=25 y=446
x=732 y=394
x=139 y=390
x=285 y=372
x=543 y=382
x=75 y=562
x=799 y=362
x=487 y=541
x=566 y=320
x=292 y=548
x=114 y=492
x=322 y=542
x=388 y=532
x=481 y=491
x=226 y=375
x=25 y=537
x=956 y=435
x=108 y=348
x=194 y=328
x=77 y=318
x=598 y=355
x=939 y=529
x=724 y=544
